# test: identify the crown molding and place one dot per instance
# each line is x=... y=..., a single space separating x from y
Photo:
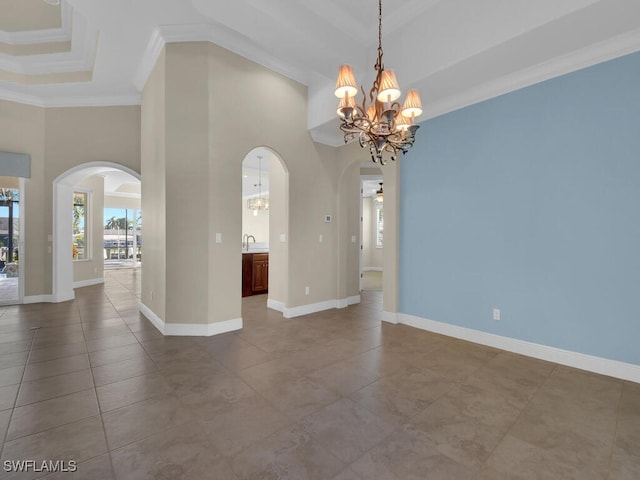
x=88 y=101
x=615 y=47
x=214 y=33
x=84 y=44
x=50 y=35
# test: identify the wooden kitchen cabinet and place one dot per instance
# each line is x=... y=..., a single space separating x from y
x=260 y=273
x=255 y=273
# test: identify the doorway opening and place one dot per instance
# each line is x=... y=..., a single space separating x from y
x=10 y=241
x=372 y=229
x=80 y=195
x=265 y=200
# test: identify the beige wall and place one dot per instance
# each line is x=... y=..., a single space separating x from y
x=93 y=267
x=58 y=139
x=153 y=190
x=205 y=142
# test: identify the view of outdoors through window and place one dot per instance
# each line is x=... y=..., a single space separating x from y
x=122 y=239
x=80 y=243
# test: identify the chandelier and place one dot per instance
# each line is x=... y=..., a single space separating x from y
x=382 y=126
x=259 y=202
x=380 y=194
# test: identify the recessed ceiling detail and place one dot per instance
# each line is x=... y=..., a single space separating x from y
x=25 y=15
x=43 y=51
x=455 y=52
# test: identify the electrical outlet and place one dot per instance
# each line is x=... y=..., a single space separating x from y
x=496 y=314
x=306 y=290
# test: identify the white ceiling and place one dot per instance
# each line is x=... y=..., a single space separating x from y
x=456 y=52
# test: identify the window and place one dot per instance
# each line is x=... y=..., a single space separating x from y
x=379 y=225
x=80 y=240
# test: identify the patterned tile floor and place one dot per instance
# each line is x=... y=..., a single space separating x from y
x=333 y=395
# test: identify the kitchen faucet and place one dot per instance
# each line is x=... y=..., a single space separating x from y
x=245 y=240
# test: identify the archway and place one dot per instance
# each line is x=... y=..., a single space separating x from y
x=63 y=204
x=270 y=227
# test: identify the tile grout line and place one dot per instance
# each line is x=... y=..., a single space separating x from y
x=24 y=369
x=615 y=431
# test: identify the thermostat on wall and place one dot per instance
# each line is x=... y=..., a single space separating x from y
x=328 y=218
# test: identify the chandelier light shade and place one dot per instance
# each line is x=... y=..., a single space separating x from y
x=378 y=122
x=346 y=84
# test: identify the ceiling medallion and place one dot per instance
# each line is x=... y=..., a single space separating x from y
x=383 y=126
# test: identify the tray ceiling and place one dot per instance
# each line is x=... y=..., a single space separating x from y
x=456 y=52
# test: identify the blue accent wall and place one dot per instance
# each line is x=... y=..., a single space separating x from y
x=530 y=202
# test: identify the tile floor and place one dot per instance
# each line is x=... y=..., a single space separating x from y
x=334 y=395
x=8 y=289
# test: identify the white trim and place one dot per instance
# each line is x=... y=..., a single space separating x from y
x=275 y=305
x=21 y=237
x=310 y=308
x=38 y=299
x=90 y=101
x=317 y=307
x=84 y=41
x=190 y=329
x=345 y=302
x=218 y=34
x=373 y=269
x=152 y=317
x=50 y=35
x=603 y=366
x=618 y=46
x=390 y=317
x=591 y=55
x=88 y=283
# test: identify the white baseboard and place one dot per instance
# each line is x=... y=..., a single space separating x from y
x=88 y=283
x=604 y=366
x=310 y=308
x=319 y=307
x=372 y=269
x=345 y=302
x=38 y=299
x=49 y=298
x=275 y=305
x=390 y=317
x=190 y=329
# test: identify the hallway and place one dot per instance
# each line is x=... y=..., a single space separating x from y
x=333 y=395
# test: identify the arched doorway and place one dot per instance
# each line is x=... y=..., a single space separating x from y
x=266 y=229
x=68 y=197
